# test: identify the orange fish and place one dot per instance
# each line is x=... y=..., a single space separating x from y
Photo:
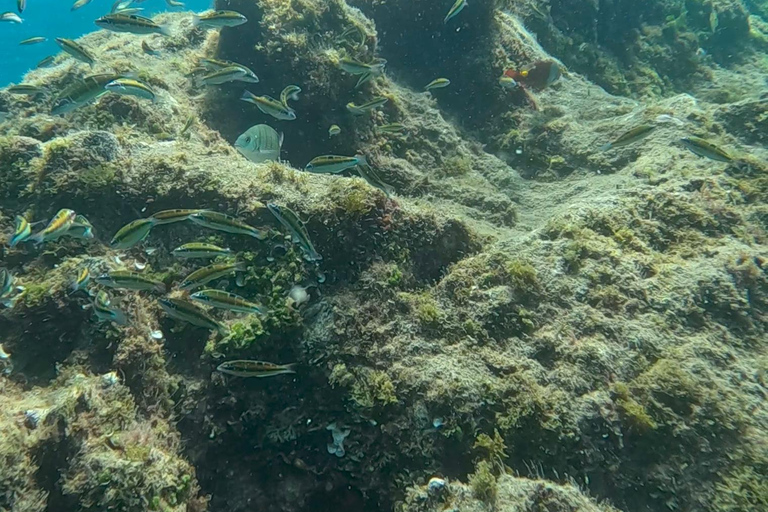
x=537 y=75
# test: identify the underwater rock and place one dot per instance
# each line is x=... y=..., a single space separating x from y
x=553 y=309
x=513 y=494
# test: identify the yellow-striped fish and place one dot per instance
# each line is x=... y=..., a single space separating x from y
x=21 y=232
x=81 y=280
x=131 y=234
x=706 y=149
x=171 y=216
x=225 y=300
x=32 y=40
x=200 y=250
x=223 y=222
x=366 y=107
x=218 y=19
x=130 y=281
x=186 y=311
x=270 y=106
x=437 y=83
x=59 y=225
x=332 y=164
x=75 y=50
x=210 y=273
x=104 y=312
x=121 y=22
x=457 y=7
x=130 y=87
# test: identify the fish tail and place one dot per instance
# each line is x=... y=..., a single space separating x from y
x=195 y=20
x=241 y=266
x=247 y=96
x=37 y=238
x=160 y=287
x=166 y=29
x=119 y=317
x=222 y=329
x=606 y=147
x=290 y=368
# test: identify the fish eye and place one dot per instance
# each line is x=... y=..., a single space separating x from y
x=248 y=140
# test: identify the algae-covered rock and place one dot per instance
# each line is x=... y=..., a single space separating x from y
x=511 y=300
x=510 y=493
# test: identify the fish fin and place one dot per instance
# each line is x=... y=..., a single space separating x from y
x=606 y=147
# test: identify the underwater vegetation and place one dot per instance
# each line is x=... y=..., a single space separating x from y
x=406 y=255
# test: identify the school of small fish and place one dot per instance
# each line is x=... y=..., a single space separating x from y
x=195 y=300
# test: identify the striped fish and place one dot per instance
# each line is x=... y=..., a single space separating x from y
x=75 y=50
x=298 y=232
x=332 y=164
x=225 y=300
x=244 y=368
x=187 y=312
x=21 y=231
x=200 y=250
x=270 y=106
x=131 y=234
x=260 y=143
x=706 y=149
x=59 y=225
x=210 y=273
x=121 y=22
x=171 y=216
x=82 y=92
x=104 y=312
x=223 y=222
x=130 y=281
x=218 y=19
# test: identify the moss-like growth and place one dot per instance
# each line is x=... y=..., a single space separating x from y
x=634 y=414
x=367 y=388
x=483 y=483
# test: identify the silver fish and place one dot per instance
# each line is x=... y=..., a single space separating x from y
x=75 y=50
x=131 y=23
x=260 y=143
x=218 y=19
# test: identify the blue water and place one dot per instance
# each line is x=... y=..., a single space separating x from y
x=54 y=18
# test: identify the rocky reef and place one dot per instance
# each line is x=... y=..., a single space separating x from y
x=526 y=323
